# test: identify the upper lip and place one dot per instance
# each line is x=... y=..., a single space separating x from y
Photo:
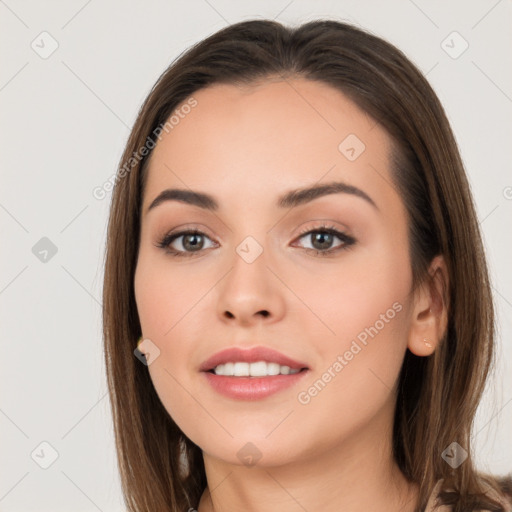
x=252 y=355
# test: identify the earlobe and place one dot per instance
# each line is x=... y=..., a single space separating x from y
x=140 y=345
x=422 y=346
x=430 y=313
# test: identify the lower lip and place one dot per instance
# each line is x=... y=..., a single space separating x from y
x=252 y=388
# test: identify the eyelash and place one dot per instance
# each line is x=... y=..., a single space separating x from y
x=347 y=240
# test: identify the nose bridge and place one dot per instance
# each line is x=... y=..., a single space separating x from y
x=249 y=275
x=250 y=249
x=250 y=288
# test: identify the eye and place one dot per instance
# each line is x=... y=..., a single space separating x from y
x=193 y=241
x=323 y=237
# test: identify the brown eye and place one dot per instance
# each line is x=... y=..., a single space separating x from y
x=193 y=242
x=321 y=240
x=184 y=243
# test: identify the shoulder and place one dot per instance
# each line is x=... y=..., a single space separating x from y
x=504 y=497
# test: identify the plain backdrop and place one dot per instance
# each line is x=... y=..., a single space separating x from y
x=72 y=78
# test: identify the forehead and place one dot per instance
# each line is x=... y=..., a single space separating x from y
x=266 y=138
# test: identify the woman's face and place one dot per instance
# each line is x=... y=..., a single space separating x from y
x=264 y=273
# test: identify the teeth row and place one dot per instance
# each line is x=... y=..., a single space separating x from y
x=258 y=369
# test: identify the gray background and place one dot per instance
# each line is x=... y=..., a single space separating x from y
x=65 y=119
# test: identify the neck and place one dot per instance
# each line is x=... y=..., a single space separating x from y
x=357 y=475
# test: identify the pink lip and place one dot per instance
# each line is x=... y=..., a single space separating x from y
x=252 y=388
x=251 y=355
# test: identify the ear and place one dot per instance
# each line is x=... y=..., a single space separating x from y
x=430 y=312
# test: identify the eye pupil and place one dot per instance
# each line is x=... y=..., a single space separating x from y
x=325 y=240
x=193 y=245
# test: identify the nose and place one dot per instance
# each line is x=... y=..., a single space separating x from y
x=250 y=293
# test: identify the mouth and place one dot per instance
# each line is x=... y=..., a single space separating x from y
x=253 y=362
x=254 y=370
x=252 y=374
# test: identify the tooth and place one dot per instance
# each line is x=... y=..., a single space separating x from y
x=258 y=369
x=241 y=370
x=273 y=368
x=285 y=370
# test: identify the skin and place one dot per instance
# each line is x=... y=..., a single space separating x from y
x=247 y=146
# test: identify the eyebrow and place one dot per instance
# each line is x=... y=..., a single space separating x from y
x=288 y=200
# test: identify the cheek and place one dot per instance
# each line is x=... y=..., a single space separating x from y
x=365 y=289
x=172 y=306
x=353 y=387
x=165 y=296
x=365 y=305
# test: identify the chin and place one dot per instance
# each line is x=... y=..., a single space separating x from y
x=260 y=453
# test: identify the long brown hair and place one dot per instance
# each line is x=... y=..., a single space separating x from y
x=161 y=469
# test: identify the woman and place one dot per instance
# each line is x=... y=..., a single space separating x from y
x=297 y=310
